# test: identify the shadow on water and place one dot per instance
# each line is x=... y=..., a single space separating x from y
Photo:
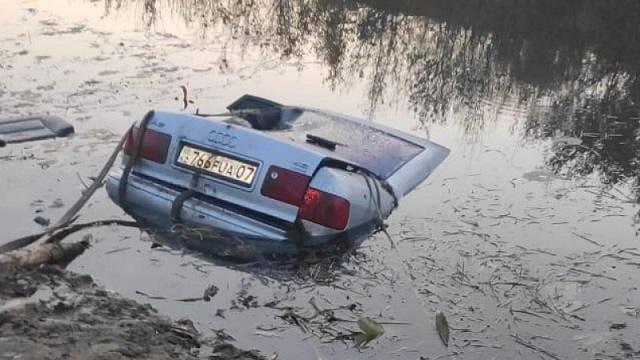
x=572 y=64
x=283 y=261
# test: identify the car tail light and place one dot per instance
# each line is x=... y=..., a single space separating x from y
x=325 y=209
x=285 y=185
x=155 y=145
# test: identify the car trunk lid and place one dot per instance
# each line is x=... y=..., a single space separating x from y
x=241 y=144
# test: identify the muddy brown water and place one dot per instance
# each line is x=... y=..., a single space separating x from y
x=526 y=237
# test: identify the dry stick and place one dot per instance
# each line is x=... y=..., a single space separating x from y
x=70 y=215
x=30 y=257
x=629 y=198
x=67 y=218
x=587 y=239
x=82 y=181
x=57 y=237
x=184 y=96
x=24 y=241
x=528 y=313
x=20 y=242
x=592 y=273
x=524 y=343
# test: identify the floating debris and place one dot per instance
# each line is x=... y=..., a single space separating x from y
x=42 y=221
x=210 y=292
x=370 y=331
x=442 y=327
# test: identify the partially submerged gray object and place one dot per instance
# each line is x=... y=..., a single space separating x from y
x=314 y=178
x=32 y=127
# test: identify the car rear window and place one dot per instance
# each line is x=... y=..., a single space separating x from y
x=375 y=150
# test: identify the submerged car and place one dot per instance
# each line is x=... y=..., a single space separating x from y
x=268 y=173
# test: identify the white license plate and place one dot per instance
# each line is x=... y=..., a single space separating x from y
x=217 y=164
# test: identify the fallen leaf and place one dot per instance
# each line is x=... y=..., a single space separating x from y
x=442 y=326
x=370 y=330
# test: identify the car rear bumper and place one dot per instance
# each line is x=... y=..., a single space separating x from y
x=152 y=201
x=217 y=228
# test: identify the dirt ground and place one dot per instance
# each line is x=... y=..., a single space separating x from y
x=54 y=314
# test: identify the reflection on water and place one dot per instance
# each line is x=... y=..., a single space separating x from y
x=233 y=248
x=572 y=64
x=279 y=261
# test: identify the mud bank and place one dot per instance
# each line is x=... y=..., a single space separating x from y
x=54 y=314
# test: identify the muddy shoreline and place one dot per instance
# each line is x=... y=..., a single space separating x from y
x=50 y=313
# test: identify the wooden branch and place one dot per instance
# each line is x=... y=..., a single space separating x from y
x=35 y=255
x=70 y=215
x=62 y=233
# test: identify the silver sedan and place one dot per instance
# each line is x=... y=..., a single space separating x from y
x=285 y=177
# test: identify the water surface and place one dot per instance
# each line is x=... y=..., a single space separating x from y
x=526 y=237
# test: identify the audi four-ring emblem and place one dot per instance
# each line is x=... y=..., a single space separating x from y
x=222 y=138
